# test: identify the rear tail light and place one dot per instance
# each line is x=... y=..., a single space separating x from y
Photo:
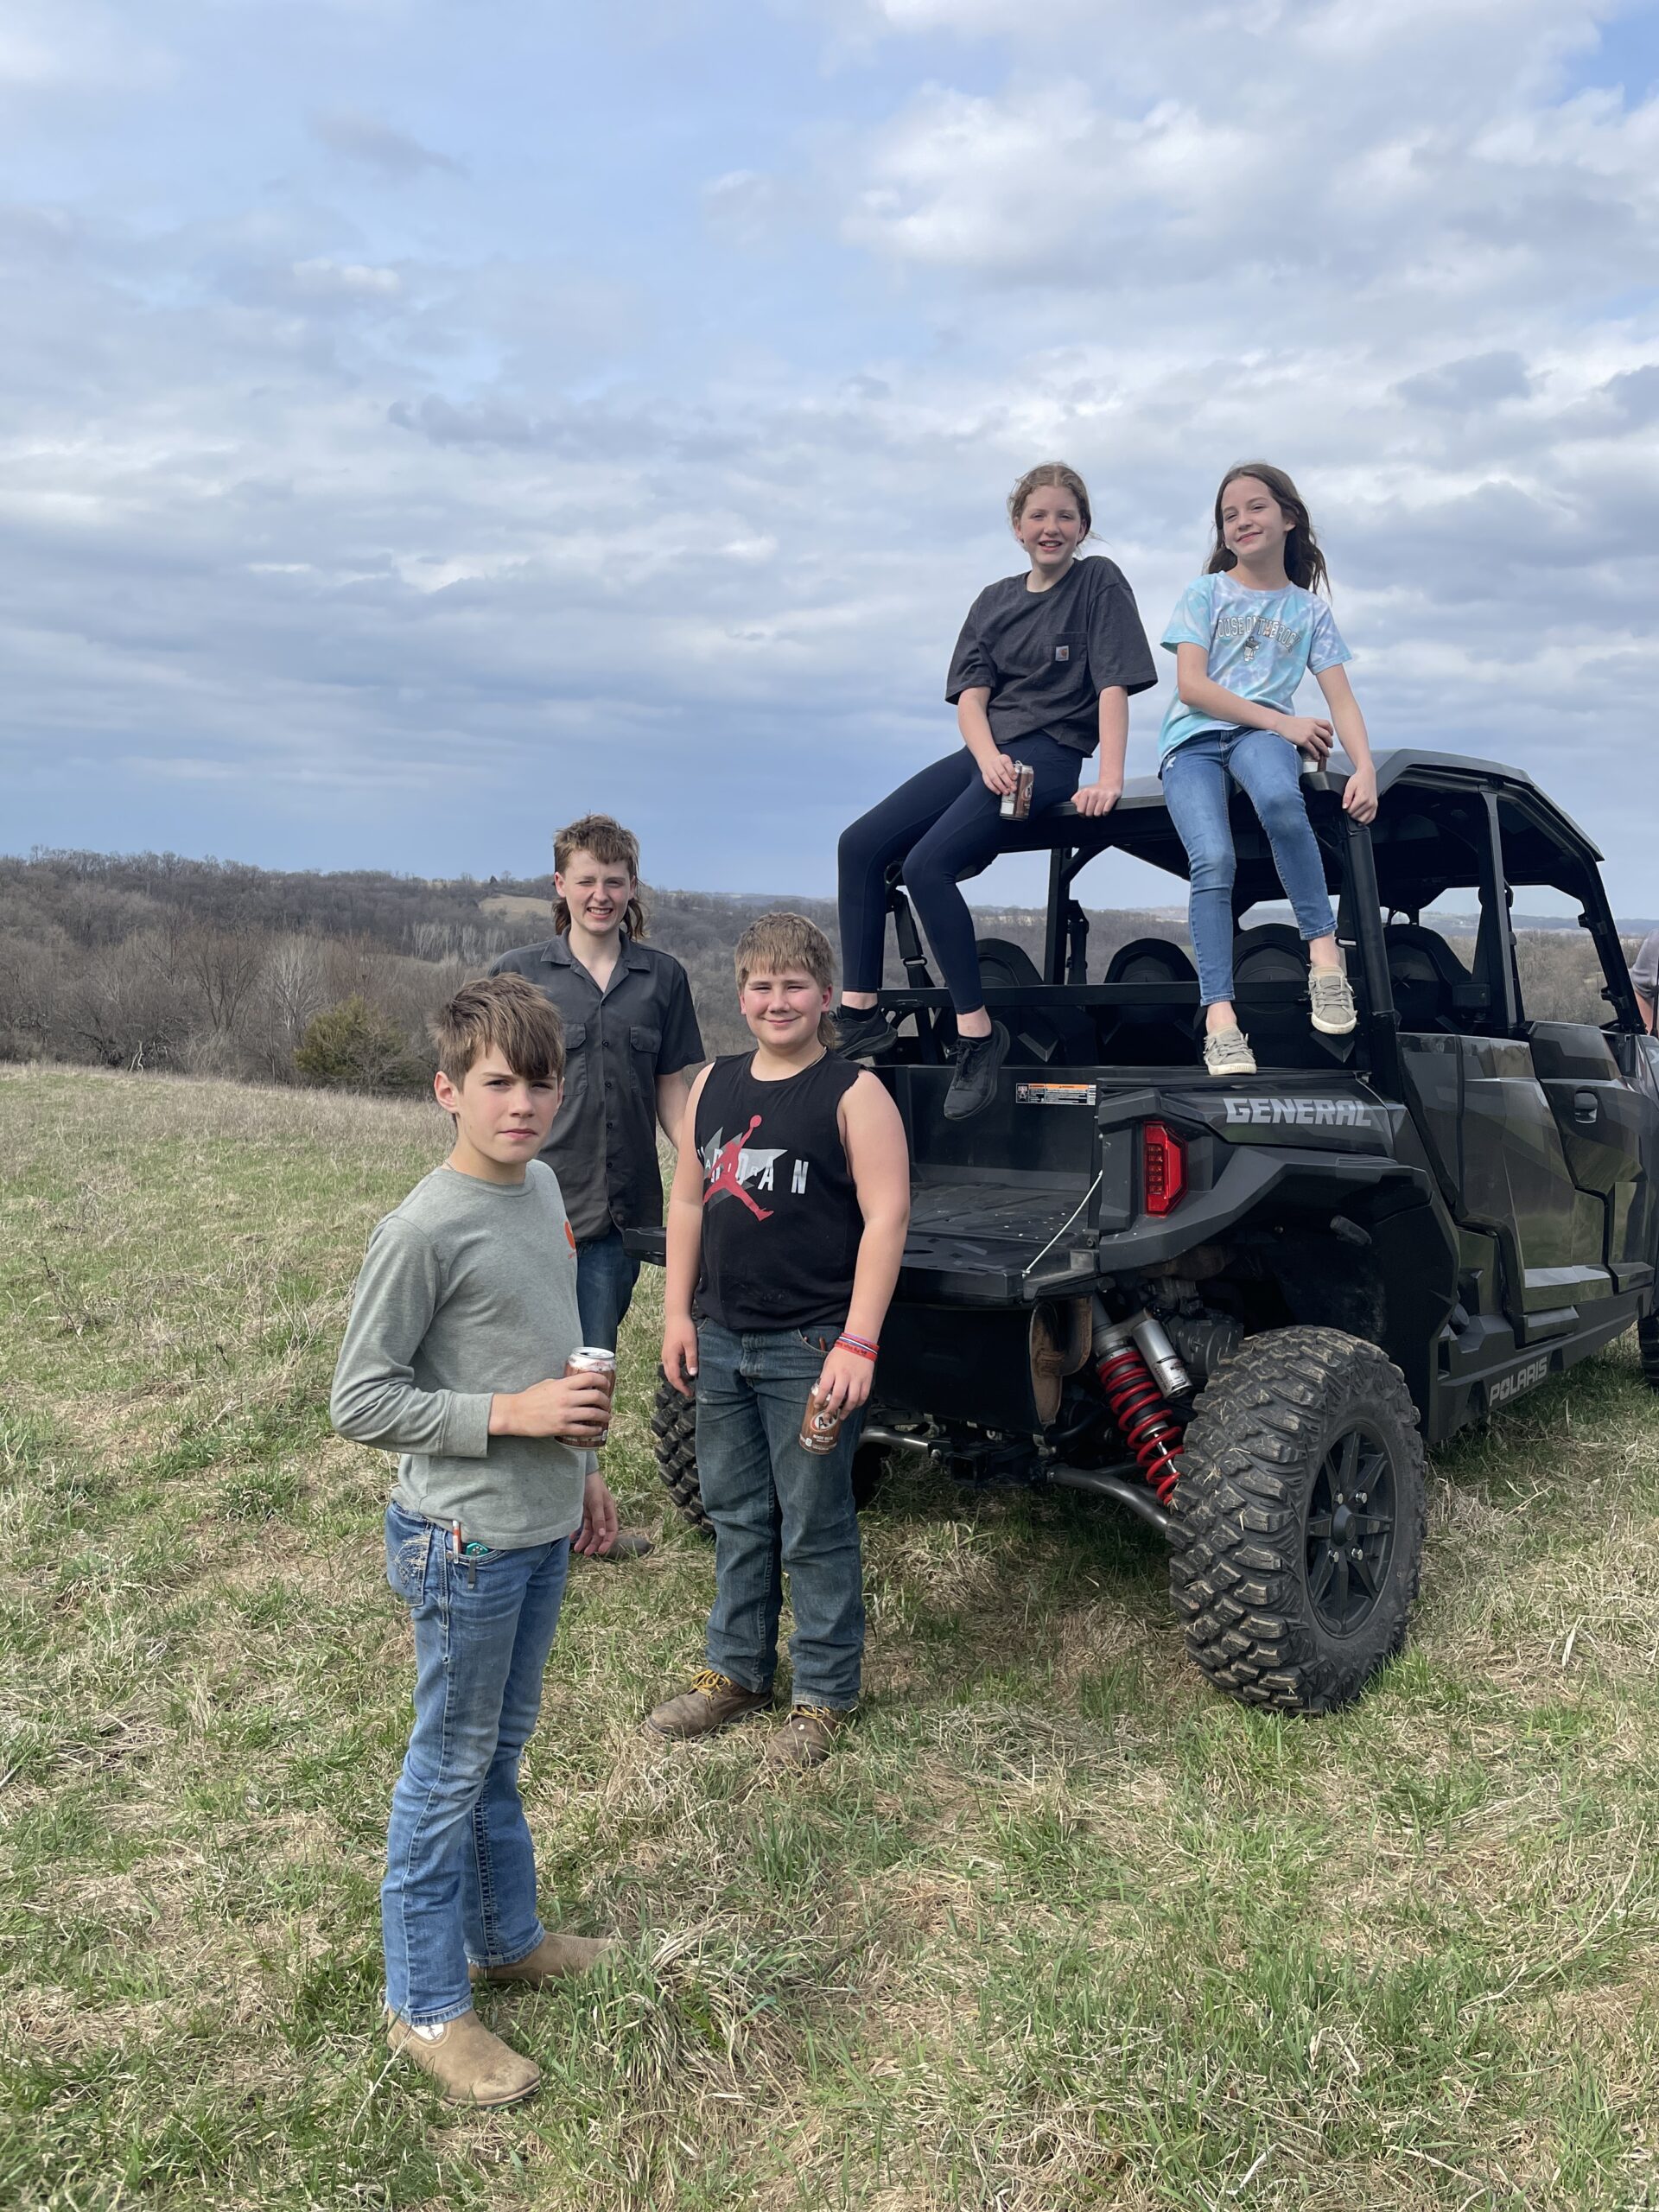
x=1163 y=1168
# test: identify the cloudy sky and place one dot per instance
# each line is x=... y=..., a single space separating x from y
x=425 y=419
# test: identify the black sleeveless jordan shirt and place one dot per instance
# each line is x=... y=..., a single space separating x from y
x=780 y=1218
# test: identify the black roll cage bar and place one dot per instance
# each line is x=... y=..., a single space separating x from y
x=1073 y=841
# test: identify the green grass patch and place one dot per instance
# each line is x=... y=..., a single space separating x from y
x=1056 y=1928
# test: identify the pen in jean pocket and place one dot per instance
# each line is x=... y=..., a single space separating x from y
x=455 y=1538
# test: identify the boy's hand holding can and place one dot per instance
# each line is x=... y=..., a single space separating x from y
x=594 y=1360
x=575 y=1408
x=843 y=1385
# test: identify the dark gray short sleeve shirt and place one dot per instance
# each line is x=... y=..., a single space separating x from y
x=1046 y=657
x=603 y=1144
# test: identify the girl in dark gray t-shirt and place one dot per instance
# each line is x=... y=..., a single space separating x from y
x=1042 y=673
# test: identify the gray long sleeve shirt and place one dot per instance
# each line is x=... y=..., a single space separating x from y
x=468 y=1288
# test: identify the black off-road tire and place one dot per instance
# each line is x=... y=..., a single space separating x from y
x=674 y=1431
x=1263 y=1523
x=1647 y=1340
x=674 y=1427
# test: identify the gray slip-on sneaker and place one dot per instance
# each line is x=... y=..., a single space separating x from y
x=1227 y=1052
x=1331 y=997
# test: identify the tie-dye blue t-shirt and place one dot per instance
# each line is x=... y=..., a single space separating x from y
x=1260 y=643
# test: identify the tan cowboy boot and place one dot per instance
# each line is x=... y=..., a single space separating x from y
x=470 y=2065
x=553 y=1957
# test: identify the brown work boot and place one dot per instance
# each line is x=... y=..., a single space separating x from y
x=552 y=1956
x=805 y=1738
x=470 y=2065
x=712 y=1702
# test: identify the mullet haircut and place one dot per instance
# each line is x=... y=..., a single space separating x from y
x=612 y=846
x=1063 y=478
x=775 y=944
x=1304 y=560
x=505 y=1014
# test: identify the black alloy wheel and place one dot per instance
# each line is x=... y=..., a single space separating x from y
x=1349 y=1548
x=1296 y=1528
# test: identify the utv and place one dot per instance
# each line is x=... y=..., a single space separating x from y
x=1235 y=1307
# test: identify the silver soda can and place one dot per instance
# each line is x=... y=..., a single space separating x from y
x=593 y=1359
x=820 y=1427
x=1016 y=803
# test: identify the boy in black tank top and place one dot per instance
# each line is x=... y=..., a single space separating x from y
x=786 y=1225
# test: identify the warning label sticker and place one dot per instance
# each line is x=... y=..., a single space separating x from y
x=1055 y=1093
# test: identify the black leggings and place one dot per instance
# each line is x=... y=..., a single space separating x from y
x=942 y=823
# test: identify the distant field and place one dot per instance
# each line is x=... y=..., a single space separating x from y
x=536 y=914
x=1057 y=1928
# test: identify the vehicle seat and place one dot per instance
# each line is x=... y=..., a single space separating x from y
x=1432 y=988
x=1149 y=1036
x=1062 y=1037
x=1278 y=1027
x=1150 y=960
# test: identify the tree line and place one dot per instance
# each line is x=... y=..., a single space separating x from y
x=149 y=960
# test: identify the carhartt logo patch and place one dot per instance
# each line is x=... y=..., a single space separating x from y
x=1062 y=653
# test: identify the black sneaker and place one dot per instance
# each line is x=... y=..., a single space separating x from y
x=865 y=1031
x=973 y=1084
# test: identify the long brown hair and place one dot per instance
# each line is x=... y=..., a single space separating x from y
x=612 y=846
x=1064 y=479
x=1303 y=561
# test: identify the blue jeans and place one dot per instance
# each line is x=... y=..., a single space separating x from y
x=1195 y=790
x=776 y=1508
x=460 y=1871
x=605 y=1280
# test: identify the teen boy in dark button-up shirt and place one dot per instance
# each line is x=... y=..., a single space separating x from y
x=630 y=1035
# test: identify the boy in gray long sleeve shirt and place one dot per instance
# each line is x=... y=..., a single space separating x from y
x=455 y=1355
x=461 y=1295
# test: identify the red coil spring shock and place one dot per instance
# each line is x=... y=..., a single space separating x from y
x=1140 y=1410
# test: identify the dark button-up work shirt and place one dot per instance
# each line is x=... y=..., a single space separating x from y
x=617 y=1042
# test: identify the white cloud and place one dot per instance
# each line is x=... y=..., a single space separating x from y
x=376 y=145
x=293 y=504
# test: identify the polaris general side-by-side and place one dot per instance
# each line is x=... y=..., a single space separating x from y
x=1237 y=1307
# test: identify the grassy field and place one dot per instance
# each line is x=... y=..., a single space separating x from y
x=1056 y=1928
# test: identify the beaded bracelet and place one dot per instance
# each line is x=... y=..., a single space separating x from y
x=859 y=1345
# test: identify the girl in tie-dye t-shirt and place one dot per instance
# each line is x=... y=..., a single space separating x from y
x=1244 y=635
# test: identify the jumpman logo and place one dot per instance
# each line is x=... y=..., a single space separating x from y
x=727 y=1167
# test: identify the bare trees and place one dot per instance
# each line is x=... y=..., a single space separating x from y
x=159 y=962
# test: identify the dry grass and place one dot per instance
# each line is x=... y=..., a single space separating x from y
x=1057 y=1928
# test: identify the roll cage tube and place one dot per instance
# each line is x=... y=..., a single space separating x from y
x=1066 y=939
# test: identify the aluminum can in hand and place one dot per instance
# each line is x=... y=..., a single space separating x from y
x=1016 y=803
x=820 y=1428
x=593 y=1359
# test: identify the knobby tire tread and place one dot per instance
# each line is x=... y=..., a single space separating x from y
x=674 y=1439
x=674 y=1435
x=1236 y=1527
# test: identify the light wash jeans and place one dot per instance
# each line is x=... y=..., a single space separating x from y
x=1195 y=777
x=460 y=1871
x=777 y=1509
x=605 y=1280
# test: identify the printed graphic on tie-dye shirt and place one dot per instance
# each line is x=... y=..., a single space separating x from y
x=1258 y=643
